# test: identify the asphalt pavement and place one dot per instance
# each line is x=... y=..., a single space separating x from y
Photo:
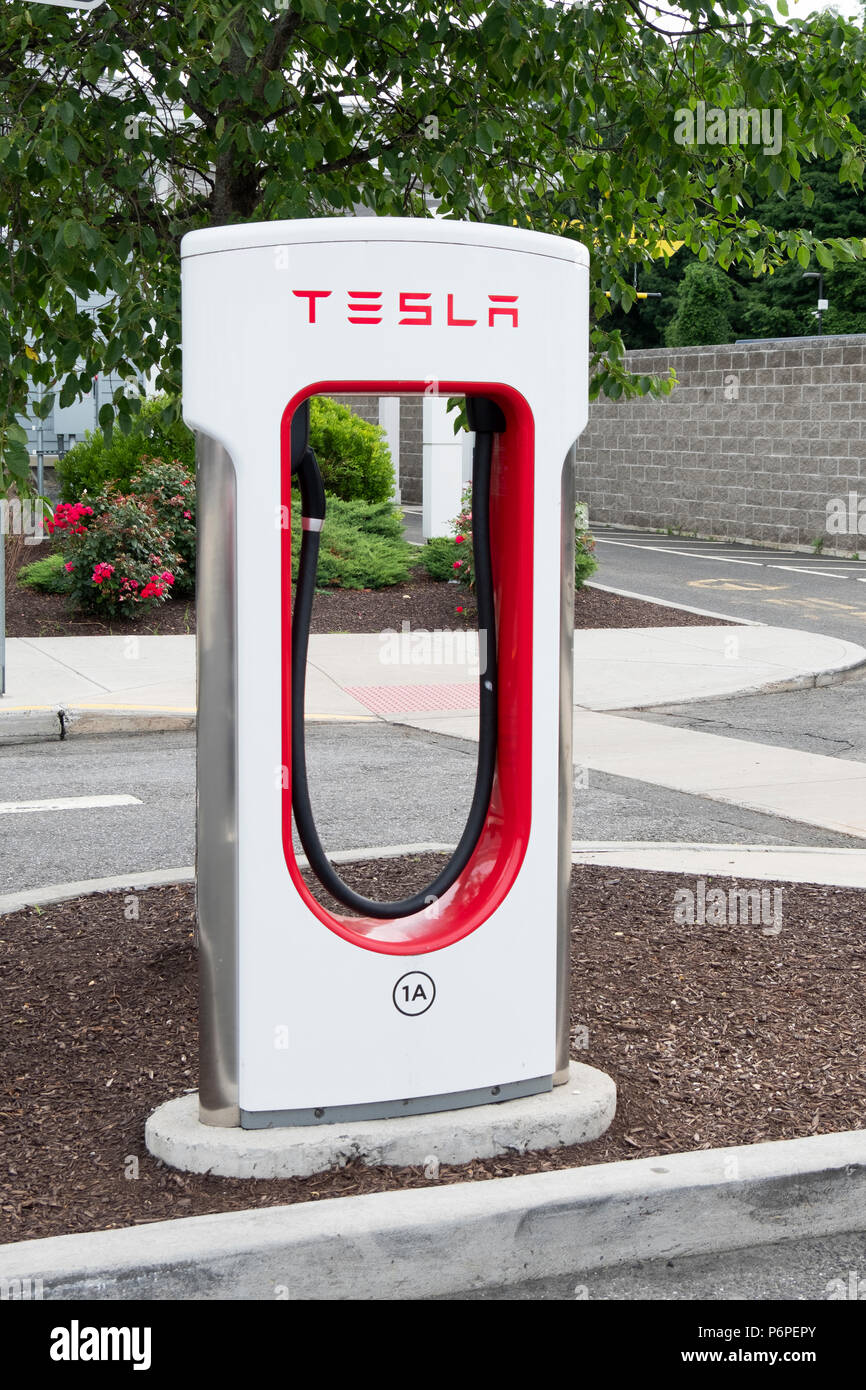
x=815 y=593
x=371 y=784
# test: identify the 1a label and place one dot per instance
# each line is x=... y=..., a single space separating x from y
x=414 y=993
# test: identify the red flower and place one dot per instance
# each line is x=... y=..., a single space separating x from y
x=101 y=572
x=458 y=540
x=457 y=564
x=459 y=609
x=69 y=567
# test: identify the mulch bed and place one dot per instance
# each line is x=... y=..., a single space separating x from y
x=714 y=1035
x=422 y=602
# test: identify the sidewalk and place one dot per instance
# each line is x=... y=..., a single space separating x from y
x=435 y=675
x=59 y=686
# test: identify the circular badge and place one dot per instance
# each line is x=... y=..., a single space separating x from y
x=414 y=993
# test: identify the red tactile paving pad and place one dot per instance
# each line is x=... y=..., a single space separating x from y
x=408 y=699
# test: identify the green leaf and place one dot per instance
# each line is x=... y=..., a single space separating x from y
x=803 y=256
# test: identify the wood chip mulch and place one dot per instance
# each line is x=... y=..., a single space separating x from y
x=422 y=602
x=715 y=1035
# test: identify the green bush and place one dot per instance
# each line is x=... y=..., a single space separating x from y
x=585 y=563
x=352 y=454
x=441 y=557
x=362 y=545
x=120 y=560
x=170 y=490
x=47 y=576
x=452 y=557
x=92 y=465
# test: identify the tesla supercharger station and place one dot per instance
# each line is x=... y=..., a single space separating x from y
x=310 y=1016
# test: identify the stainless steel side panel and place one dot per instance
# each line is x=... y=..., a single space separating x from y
x=216 y=784
x=566 y=770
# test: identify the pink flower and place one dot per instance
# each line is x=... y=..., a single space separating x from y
x=167 y=577
x=101 y=572
x=457 y=564
x=188 y=516
x=69 y=567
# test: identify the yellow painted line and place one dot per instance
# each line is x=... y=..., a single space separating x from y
x=341 y=718
x=4 y=708
x=177 y=709
x=139 y=709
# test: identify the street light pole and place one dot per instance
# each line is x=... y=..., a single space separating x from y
x=822 y=303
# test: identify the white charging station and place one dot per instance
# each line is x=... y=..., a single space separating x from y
x=307 y=1016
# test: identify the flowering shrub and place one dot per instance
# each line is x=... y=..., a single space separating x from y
x=118 y=558
x=69 y=517
x=170 y=490
x=585 y=562
x=464 y=568
x=450 y=557
x=453 y=557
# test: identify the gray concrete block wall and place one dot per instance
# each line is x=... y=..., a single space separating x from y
x=411 y=434
x=752 y=443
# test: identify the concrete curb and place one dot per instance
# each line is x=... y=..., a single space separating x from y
x=831 y=676
x=63 y=892
x=668 y=603
x=433 y=1241
x=808 y=864
x=167 y=878
x=59 y=722
x=582 y=851
x=837 y=675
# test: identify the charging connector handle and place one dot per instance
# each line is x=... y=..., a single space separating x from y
x=486 y=418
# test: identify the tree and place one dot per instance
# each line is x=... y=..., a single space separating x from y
x=705 y=303
x=123 y=127
x=780 y=304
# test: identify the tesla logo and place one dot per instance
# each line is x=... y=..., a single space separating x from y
x=415 y=309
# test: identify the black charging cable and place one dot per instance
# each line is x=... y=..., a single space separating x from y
x=486 y=419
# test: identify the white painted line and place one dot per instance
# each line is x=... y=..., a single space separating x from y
x=800 y=569
x=66 y=803
x=728 y=618
x=670 y=550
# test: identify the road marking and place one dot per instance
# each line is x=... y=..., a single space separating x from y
x=720 y=583
x=806 y=564
x=797 y=569
x=66 y=803
x=689 y=554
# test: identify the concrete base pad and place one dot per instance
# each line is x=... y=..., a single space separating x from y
x=573 y=1113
